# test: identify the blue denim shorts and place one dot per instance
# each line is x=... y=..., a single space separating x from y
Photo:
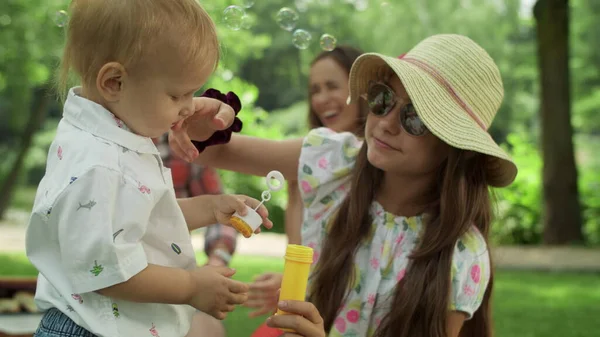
x=56 y=324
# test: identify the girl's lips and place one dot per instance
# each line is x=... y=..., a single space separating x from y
x=383 y=145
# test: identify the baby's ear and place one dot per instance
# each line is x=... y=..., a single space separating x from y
x=109 y=81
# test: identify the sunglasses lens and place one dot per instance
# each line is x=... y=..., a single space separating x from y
x=411 y=122
x=380 y=99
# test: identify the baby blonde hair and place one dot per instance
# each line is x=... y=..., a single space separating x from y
x=130 y=32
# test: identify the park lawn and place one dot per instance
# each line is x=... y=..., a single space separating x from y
x=526 y=304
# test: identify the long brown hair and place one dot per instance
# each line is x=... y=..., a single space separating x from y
x=344 y=56
x=421 y=299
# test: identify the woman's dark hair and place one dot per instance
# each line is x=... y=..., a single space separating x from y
x=344 y=56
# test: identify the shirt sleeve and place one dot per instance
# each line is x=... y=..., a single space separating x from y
x=326 y=161
x=470 y=273
x=100 y=219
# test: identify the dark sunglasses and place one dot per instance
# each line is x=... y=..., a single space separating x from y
x=382 y=99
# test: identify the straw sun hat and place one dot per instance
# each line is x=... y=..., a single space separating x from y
x=456 y=89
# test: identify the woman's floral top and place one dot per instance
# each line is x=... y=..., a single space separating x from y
x=324 y=178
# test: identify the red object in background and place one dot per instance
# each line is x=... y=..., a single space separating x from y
x=266 y=331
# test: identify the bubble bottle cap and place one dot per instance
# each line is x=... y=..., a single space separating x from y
x=250 y=222
x=298 y=253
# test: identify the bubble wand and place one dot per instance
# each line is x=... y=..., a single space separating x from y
x=249 y=223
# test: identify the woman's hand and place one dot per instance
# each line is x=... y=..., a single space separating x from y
x=264 y=294
x=305 y=319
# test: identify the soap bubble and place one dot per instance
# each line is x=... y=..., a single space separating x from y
x=227 y=75
x=302 y=5
x=361 y=5
x=301 y=39
x=233 y=16
x=287 y=18
x=61 y=18
x=246 y=22
x=248 y=3
x=328 y=42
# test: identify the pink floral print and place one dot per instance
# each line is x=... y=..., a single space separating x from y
x=352 y=316
x=323 y=163
x=306 y=188
x=59 y=153
x=400 y=275
x=475 y=273
x=375 y=263
x=340 y=324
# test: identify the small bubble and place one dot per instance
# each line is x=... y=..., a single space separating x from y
x=233 y=16
x=227 y=75
x=361 y=5
x=287 y=18
x=302 y=5
x=246 y=22
x=248 y=3
x=328 y=42
x=301 y=39
x=61 y=18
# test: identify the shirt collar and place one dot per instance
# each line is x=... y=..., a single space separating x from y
x=97 y=120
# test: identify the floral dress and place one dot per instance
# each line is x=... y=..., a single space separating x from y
x=326 y=161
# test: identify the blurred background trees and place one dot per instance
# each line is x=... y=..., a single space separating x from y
x=549 y=63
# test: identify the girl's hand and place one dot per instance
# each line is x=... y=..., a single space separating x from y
x=210 y=115
x=226 y=204
x=305 y=320
x=264 y=294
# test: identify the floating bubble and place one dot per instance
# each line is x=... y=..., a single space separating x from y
x=361 y=5
x=246 y=22
x=302 y=5
x=248 y=3
x=328 y=42
x=61 y=18
x=233 y=17
x=227 y=75
x=287 y=18
x=301 y=39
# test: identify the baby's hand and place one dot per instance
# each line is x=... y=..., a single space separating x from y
x=215 y=292
x=225 y=205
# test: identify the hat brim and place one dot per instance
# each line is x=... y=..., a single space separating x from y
x=440 y=112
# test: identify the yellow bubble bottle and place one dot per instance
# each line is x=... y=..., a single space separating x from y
x=295 y=275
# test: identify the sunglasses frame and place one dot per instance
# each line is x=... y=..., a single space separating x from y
x=403 y=112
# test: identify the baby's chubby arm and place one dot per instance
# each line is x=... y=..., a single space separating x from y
x=205 y=210
x=208 y=289
x=155 y=284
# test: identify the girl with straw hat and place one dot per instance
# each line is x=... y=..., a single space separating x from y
x=399 y=220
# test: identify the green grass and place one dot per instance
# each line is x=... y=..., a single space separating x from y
x=526 y=304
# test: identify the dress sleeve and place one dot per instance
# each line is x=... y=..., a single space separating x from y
x=100 y=219
x=470 y=273
x=326 y=161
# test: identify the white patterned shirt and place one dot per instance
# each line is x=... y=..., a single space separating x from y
x=103 y=211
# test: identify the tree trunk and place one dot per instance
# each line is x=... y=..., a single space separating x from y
x=36 y=118
x=561 y=209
